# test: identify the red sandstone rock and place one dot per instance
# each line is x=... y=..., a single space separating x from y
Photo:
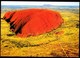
x=33 y=21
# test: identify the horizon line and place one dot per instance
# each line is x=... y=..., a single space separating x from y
x=39 y=3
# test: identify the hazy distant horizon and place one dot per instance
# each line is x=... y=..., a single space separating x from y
x=39 y=3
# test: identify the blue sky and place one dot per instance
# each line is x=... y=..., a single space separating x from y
x=39 y=3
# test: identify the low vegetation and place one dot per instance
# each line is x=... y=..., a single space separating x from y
x=62 y=42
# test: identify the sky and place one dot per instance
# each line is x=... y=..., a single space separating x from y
x=39 y=3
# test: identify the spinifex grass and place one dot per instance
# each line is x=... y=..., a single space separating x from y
x=57 y=43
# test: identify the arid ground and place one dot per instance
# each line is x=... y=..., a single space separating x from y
x=62 y=42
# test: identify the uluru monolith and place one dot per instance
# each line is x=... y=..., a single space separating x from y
x=32 y=22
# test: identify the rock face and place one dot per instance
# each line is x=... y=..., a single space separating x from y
x=33 y=21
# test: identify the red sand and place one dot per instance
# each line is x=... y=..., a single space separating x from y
x=33 y=21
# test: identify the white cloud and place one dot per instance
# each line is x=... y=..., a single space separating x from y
x=38 y=3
